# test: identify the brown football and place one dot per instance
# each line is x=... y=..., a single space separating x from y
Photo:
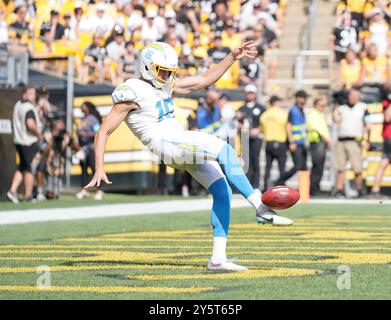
x=280 y=197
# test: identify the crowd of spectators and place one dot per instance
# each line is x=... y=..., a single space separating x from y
x=106 y=36
x=360 y=42
x=361 y=45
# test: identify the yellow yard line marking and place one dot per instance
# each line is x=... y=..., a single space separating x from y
x=345 y=258
x=234 y=239
x=100 y=267
x=251 y=273
x=281 y=248
x=313 y=235
x=162 y=257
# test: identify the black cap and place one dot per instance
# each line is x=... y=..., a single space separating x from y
x=54 y=12
x=274 y=99
x=301 y=93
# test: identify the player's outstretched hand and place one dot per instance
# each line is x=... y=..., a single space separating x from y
x=96 y=180
x=247 y=49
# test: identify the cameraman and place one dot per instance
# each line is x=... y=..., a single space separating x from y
x=45 y=112
x=350 y=120
x=58 y=140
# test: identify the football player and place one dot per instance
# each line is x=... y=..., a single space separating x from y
x=146 y=105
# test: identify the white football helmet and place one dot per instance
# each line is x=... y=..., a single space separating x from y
x=157 y=59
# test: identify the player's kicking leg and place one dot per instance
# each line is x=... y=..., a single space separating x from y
x=211 y=177
x=228 y=159
x=197 y=146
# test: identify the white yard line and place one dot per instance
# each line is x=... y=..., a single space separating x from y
x=130 y=209
x=112 y=210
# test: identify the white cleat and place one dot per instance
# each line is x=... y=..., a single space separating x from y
x=227 y=265
x=99 y=195
x=82 y=194
x=13 y=197
x=41 y=197
x=269 y=216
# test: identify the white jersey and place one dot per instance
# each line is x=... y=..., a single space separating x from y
x=155 y=125
x=155 y=115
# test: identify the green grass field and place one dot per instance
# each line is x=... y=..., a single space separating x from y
x=68 y=200
x=165 y=256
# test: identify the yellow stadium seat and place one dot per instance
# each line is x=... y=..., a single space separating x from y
x=41 y=49
x=67 y=7
x=85 y=39
x=234 y=7
x=7 y=8
x=190 y=38
x=65 y=47
x=113 y=65
x=11 y=18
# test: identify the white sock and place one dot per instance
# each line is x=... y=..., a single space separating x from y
x=255 y=200
x=219 y=249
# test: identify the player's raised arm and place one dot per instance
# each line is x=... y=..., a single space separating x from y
x=209 y=77
x=112 y=121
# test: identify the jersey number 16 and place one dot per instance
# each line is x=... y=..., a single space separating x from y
x=166 y=108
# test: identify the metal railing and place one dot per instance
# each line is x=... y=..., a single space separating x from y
x=300 y=63
x=13 y=69
x=306 y=34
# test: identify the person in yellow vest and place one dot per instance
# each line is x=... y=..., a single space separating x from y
x=273 y=125
x=319 y=139
x=375 y=68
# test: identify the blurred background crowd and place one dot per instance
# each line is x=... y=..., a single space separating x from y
x=272 y=131
x=360 y=42
x=105 y=37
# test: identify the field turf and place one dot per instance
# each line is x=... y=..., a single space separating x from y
x=164 y=256
x=68 y=200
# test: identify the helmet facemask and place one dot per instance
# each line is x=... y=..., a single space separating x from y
x=158 y=64
x=163 y=77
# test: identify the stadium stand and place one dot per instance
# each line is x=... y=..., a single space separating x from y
x=98 y=33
